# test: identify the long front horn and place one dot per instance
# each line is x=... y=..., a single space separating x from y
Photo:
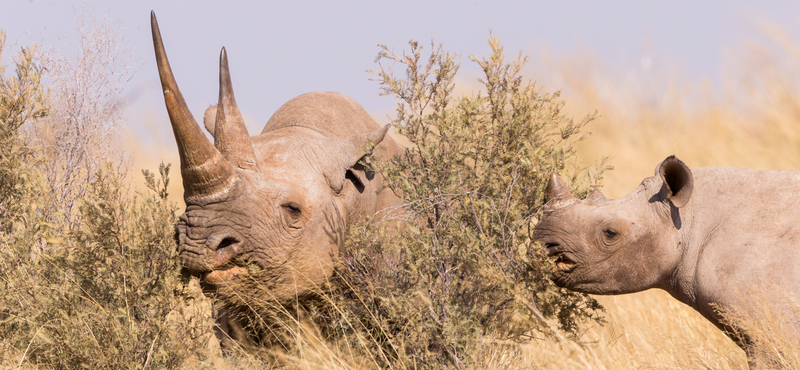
x=204 y=170
x=230 y=133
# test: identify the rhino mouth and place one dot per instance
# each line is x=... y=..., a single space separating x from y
x=220 y=263
x=222 y=277
x=563 y=263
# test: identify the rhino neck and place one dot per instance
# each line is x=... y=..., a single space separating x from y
x=680 y=282
x=703 y=227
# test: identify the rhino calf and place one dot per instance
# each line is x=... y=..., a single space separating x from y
x=708 y=237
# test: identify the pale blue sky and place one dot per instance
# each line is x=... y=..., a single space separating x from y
x=278 y=50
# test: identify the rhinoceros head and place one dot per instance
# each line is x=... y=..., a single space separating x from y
x=614 y=246
x=266 y=214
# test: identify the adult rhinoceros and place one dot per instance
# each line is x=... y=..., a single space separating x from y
x=265 y=215
x=708 y=237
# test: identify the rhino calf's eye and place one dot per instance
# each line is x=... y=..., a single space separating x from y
x=609 y=233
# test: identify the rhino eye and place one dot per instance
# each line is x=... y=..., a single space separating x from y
x=610 y=234
x=292 y=209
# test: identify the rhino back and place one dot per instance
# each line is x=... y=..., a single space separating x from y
x=332 y=114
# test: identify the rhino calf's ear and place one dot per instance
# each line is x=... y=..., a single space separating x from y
x=678 y=181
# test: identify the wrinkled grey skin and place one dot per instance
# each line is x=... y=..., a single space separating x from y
x=289 y=216
x=266 y=215
x=707 y=236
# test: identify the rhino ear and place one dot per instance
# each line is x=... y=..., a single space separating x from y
x=355 y=148
x=678 y=181
x=210 y=119
x=596 y=196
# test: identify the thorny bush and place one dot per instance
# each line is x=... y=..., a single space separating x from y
x=431 y=283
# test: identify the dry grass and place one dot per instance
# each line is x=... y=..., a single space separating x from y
x=769 y=325
x=648 y=330
x=754 y=121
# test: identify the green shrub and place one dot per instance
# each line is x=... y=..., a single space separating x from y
x=101 y=296
x=103 y=293
x=21 y=100
x=461 y=269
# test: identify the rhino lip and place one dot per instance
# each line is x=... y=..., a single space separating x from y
x=222 y=277
x=219 y=263
x=563 y=262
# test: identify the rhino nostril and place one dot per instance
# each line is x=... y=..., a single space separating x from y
x=552 y=248
x=225 y=243
x=217 y=242
x=226 y=250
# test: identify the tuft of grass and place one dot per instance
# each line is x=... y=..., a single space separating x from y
x=769 y=324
